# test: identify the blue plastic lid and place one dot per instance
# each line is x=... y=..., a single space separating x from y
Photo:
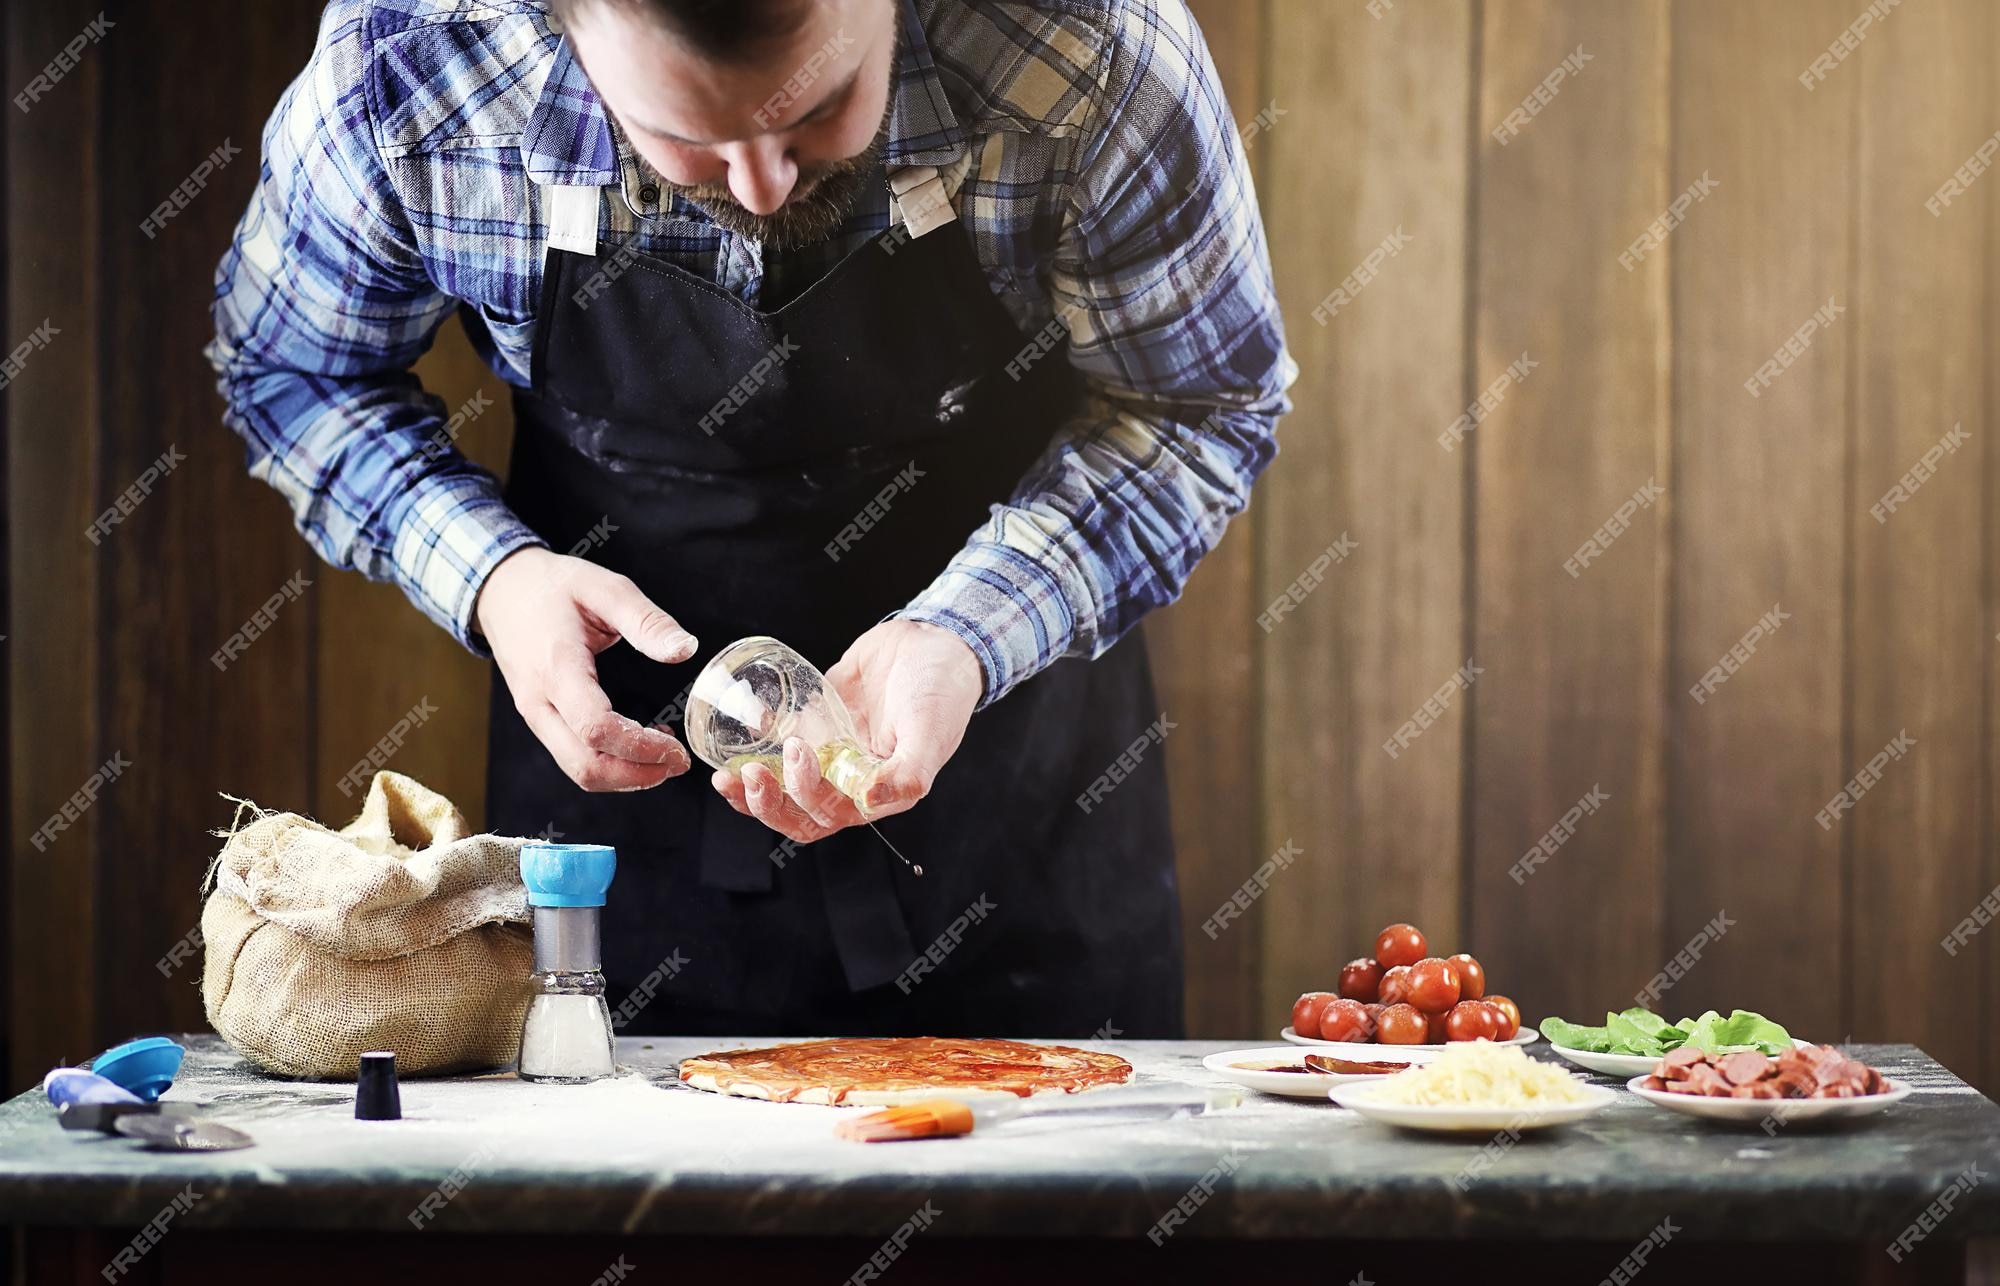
x=145 y=1067
x=567 y=874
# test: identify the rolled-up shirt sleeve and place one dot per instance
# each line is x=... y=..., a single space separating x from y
x=322 y=303
x=1163 y=281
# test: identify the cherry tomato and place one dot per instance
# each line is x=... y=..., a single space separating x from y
x=1400 y=944
x=1305 y=1012
x=1433 y=985
x=1395 y=988
x=1361 y=979
x=1471 y=976
x=1374 y=1019
x=1343 y=1020
x=1434 y=1028
x=1402 y=1025
x=1510 y=1016
x=1472 y=1020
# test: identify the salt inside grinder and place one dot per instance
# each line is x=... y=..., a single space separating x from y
x=567 y=1034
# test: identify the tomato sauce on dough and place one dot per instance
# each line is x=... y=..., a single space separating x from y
x=849 y=1066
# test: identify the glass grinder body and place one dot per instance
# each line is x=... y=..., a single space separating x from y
x=566 y=1037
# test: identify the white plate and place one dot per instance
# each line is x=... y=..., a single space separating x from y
x=1622 y=1064
x=1360 y=1098
x=1753 y=1111
x=1363 y=1049
x=1294 y=1084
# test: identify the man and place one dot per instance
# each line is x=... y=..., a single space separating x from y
x=936 y=339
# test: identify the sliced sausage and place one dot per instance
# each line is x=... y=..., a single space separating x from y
x=1707 y=1080
x=1677 y=1062
x=1742 y=1068
x=1795 y=1082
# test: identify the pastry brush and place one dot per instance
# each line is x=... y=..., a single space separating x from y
x=937 y=1118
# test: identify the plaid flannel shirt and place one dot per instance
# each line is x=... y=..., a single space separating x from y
x=1095 y=168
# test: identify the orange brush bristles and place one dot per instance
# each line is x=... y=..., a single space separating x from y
x=932 y=1118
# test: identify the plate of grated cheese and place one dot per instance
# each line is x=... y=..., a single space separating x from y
x=1476 y=1087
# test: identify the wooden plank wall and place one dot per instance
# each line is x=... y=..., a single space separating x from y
x=1381 y=373
x=1378 y=126
x=1584 y=681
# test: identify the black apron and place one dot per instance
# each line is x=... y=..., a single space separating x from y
x=717 y=451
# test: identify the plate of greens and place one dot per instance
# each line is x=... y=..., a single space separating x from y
x=1630 y=1043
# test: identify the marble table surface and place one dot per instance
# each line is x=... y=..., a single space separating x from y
x=642 y=1154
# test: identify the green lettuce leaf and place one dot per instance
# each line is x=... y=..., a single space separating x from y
x=1742 y=1030
x=1636 y=1031
x=1641 y=1031
x=1569 y=1035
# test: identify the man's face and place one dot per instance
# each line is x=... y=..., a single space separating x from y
x=772 y=148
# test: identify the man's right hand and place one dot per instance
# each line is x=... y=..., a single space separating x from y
x=547 y=616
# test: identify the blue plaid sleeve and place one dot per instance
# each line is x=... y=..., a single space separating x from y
x=1163 y=282
x=322 y=302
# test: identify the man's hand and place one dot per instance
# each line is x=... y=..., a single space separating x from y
x=547 y=616
x=911 y=688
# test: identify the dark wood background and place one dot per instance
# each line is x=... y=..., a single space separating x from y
x=1385 y=125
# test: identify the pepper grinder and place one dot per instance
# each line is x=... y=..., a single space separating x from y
x=566 y=1037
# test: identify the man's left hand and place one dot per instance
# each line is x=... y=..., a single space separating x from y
x=911 y=688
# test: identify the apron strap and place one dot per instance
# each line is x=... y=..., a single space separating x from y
x=919 y=199
x=572 y=216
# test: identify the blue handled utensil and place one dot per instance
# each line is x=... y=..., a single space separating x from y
x=87 y=1101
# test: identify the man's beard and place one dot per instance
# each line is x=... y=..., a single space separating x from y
x=805 y=217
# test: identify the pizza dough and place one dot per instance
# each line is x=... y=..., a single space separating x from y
x=886 y=1071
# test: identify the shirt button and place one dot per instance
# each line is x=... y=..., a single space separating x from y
x=649 y=194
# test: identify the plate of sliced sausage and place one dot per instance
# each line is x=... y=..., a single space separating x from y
x=1806 y=1082
x=1620 y=1064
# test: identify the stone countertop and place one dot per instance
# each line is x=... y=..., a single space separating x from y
x=643 y=1154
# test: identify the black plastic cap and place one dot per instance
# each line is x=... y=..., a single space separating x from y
x=376 y=1095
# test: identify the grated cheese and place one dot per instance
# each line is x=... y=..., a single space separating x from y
x=1479 y=1073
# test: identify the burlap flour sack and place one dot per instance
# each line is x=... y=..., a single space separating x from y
x=399 y=931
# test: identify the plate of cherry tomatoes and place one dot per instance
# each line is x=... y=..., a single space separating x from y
x=1402 y=995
